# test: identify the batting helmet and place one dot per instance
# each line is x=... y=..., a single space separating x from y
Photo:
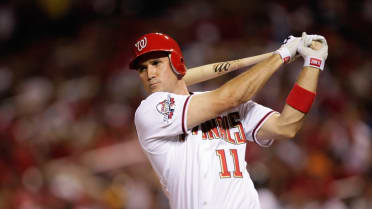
x=154 y=42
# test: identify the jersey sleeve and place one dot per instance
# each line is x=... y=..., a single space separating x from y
x=161 y=117
x=253 y=117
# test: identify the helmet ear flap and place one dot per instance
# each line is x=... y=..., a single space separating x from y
x=177 y=63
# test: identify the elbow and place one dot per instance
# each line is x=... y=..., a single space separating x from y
x=228 y=99
x=290 y=135
x=237 y=98
x=235 y=101
x=285 y=136
x=287 y=133
x=287 y=129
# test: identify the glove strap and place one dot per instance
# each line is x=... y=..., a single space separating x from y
x=300 y=99
x=314 y=62
x=284 y=53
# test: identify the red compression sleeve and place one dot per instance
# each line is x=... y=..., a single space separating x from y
x=300 y=98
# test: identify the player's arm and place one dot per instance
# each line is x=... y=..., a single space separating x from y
x=286 y=124
x=207 y=72
x=238 y=90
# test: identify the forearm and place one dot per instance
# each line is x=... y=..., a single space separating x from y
x=243 y=87
x=240 y=89
x=290 y=118
x=286 y=124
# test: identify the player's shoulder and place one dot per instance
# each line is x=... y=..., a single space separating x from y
x=160 y=104
x=156 y=100
x=150 y=100
x=157 y=97
x=153 y=97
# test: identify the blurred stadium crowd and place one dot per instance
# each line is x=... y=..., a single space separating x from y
x=67 y=99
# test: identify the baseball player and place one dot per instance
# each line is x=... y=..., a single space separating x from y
x=196 y=141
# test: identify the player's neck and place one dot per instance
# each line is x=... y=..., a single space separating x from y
x=181 y=89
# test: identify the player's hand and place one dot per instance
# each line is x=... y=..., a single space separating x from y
x=289 y=48
x=313 y=58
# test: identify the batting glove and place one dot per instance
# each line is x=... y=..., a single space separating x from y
x=289 y=48
x=313 y=58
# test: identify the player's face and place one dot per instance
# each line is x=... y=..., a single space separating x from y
x=156 y=73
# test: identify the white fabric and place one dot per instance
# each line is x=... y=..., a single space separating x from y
x=189 y=166
x=314 y=62
x=284 y=54
x=288 y=49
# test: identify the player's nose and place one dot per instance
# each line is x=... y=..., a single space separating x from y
x=151 y=72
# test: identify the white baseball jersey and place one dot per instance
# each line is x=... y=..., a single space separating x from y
x=203 y=167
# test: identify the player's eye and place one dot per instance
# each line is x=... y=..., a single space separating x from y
x=141 y=68
x=155 y=62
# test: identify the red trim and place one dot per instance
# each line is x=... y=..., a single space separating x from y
x=183 y=114
x=258 y=125
x=315 y=62
x=286 y=59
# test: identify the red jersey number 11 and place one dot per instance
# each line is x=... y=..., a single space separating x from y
x=225 y=173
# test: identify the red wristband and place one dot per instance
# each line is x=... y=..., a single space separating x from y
x=300 y=98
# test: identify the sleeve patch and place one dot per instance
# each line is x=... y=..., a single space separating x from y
x=166 y=108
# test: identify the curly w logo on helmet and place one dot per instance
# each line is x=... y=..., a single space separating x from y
x=141 y=44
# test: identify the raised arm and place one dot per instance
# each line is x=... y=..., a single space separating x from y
x=207 y=72
x=286 y=124
x=239 y=90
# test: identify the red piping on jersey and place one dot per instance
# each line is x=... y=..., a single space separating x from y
x=258 y=125
x=183 y=114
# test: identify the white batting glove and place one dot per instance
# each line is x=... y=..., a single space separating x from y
x=313 y=58
x=289 y=48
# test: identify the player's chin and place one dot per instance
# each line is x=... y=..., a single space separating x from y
x=154 y=88
x=150 y=91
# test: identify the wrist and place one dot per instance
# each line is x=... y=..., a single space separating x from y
x=276 y=59
x=315 y=62
x=300 y=98
x=284 y=54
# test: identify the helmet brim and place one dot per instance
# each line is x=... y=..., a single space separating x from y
x=133 y=64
